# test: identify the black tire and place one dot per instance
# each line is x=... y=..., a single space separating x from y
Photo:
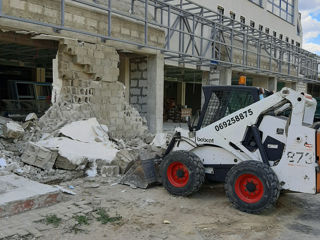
x=261 y=191
x=190 y=164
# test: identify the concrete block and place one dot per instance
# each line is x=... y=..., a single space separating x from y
x=142 y=66
x=18 y=4
x=133 y=99
x=133 y=66
x=50 y=12
x=39 y=156
x=35 y=8
x=125 y=31
x=20 y=194
x=143 y=83
x=13 y=130
x=110 y=171
x=134 y=83
x=78 y=19
x=135 y=91
x=136 y=75
x=145 y=91
x=63 y=163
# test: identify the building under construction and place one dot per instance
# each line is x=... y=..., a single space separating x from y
x=150 y=56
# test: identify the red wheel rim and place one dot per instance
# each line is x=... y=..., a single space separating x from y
x=249 y=188
x=178 y=174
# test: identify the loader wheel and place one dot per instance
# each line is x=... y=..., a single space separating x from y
x=182 y=173
x=252 y=186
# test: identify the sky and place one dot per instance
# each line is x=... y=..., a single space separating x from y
x=310 y=13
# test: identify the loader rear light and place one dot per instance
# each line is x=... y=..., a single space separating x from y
x=318 y=161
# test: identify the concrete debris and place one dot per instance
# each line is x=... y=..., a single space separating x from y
x=86 y=131
x=110 y=171
x=18 y=194
x=31 y=117
x=65 y=190
x=13 y=130
x=160 y=140
x=80 y=153
x=64 y=163
x=39 y=156
x=123 y=158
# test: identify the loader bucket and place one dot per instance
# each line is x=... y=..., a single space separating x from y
x=142 y=173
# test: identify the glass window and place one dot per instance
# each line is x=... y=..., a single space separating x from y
x=282 y=8
x=258 y=2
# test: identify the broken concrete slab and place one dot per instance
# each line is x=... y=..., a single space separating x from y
x=39 y=156
x=86 y=131
x=79 y=153
x=18 y=194
x=13 y=130
x=31 y=117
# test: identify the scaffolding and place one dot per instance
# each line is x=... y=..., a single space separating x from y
x=198 y=36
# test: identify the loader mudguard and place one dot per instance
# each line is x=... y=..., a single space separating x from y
x=176 y=137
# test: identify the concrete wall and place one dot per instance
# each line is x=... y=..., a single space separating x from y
x=139 y=84
x=88 y=74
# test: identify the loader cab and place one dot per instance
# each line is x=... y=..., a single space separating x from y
x=221 y=101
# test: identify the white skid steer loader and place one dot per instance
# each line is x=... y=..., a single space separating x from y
x=256 y=147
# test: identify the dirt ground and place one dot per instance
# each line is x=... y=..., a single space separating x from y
x=154 y=214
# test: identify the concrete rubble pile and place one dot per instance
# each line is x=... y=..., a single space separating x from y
x=69 y=149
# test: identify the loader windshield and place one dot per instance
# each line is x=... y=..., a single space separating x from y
x=224 y=102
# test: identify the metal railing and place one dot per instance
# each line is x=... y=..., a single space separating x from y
x=199 y=36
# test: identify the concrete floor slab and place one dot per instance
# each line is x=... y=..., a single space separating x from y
x=18 y=194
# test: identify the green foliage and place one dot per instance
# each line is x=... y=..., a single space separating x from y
x=104 y=217
x=53 y=219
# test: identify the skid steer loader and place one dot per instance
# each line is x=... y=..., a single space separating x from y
x=256 y=147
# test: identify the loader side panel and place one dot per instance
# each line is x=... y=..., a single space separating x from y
x=318 y=161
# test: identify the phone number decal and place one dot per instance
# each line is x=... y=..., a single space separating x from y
x=234 y=120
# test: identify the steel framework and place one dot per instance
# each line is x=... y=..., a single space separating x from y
x=199 y=36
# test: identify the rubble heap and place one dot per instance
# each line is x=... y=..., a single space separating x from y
x=71 y=150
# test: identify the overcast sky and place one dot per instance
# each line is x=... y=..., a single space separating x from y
x=310 y=10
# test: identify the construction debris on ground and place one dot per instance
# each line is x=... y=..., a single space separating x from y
x=69 y=150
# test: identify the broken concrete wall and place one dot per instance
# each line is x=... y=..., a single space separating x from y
x=88 y=74
x=139 y=84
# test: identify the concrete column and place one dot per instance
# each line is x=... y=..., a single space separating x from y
x=272 y=84
x=226 y=76
x=155 y=92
